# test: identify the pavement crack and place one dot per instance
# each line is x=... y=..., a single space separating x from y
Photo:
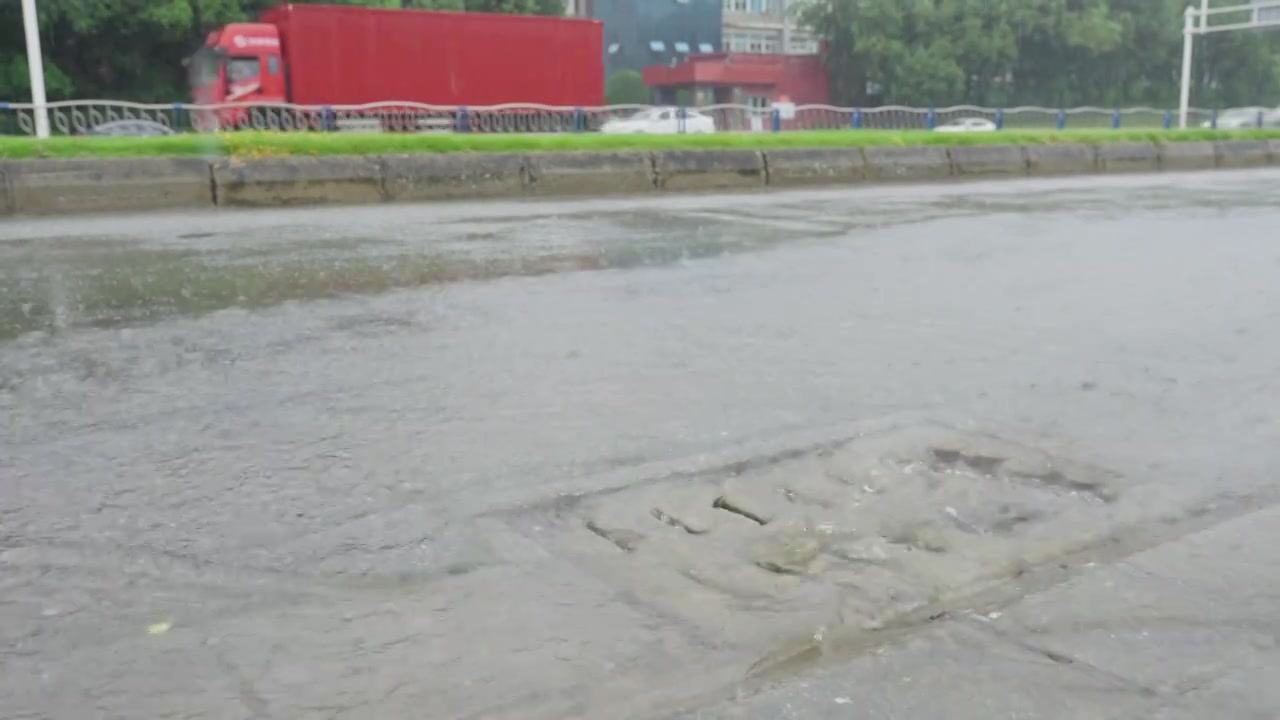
x=722 y=503
x=676 y=522
x=1060 y=658
x=624 y=540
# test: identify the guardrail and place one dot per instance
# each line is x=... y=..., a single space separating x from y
x=80 y=116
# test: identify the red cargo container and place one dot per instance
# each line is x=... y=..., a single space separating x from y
x=337 y=55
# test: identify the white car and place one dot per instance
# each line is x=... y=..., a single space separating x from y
x=967 y=125
x=661 y=121
x=1239 y=118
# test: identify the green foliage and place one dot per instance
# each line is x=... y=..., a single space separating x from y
x=1034 y=52
x=133 y=49
x=269 y=144
x=626 y=87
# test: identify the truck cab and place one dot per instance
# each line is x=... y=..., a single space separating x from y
x=240 y=63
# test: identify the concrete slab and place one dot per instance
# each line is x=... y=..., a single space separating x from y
x=1176 y=156
x=1061 y=159
x=907 y=163
x=952 y=672
x=709 y=169
x=989 y=159
x=1128 y=157
x=1173 y=619
x=1243 y=153
x=46 y=187
x=588 y=173
x=417 y=178
x=795 y=167
x=855 y=537
x=338 y=180
x=451 y=645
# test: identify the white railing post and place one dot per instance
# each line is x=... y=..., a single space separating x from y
x=1188 y=40
x=35 y=66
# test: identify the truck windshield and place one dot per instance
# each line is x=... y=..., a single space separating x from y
x=240 y=69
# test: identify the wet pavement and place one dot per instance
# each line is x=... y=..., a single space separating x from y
x=613 y=458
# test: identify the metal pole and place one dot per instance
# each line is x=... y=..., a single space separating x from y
x=786 y=27
x=1184 y=90
x=35 y=65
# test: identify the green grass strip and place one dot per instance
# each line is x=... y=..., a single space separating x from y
x=269 y=144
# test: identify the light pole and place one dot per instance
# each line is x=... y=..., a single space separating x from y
x=35 y=65
x=1188 y=40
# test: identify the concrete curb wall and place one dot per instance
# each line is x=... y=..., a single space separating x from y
x=273 y=182
x=1061 y=159
x=1188 y=156
x=53 y=187
x=709 y=169
x=1128 y=157
x=795 y=167
x=908 y=163
x=989 y=159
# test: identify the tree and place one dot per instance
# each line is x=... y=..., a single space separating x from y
x=1032 y=52
x=626 y=87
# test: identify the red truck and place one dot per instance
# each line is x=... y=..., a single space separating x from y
x=326 y=55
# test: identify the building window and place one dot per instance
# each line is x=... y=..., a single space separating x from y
x=801 y=45
x=735 y=5
x=751 y=42
x=614 y=48
x=706 y=47
x=682 y=47
x=758 y=102
x=657 y=46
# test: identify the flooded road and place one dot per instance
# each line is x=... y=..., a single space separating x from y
x=316 y=463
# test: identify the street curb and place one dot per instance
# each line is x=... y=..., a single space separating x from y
x=61 y=187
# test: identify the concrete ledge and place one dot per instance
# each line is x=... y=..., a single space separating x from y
x=709 y=169
x=988 y=159
x=1188 y=156
x=43 y=187
x=339 y=180
x=1243 y=153
x=588 y=173
x=34 y=187
x=1061 y=159
x=907 y=163
x=791 y=167
x=414 y=178
x=1128 y=157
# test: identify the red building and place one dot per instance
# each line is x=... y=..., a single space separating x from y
x=740 y=79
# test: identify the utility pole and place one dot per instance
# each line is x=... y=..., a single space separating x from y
x=35 y=65
x=786 y=27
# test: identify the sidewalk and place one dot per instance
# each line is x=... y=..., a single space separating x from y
x=1185 y=631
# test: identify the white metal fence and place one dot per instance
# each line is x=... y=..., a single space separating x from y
x=80 y=116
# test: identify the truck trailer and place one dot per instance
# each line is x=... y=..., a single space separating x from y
x=328 y=55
